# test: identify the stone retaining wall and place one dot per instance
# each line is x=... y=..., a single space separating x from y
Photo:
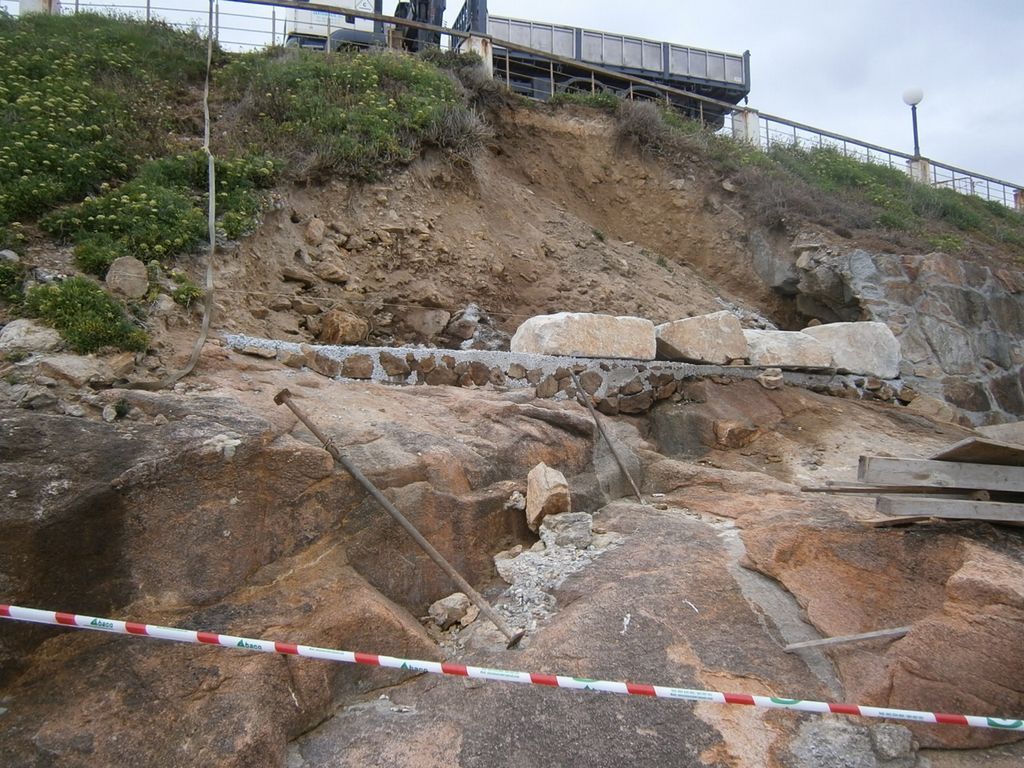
x=616 y=386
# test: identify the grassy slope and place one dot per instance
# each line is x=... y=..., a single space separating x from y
x=94 y=151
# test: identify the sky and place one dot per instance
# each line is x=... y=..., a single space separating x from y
x=840 y=66
x=844 y=66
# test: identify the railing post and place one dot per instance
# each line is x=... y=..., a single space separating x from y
x=41 y=6
x=484 y=48
x=149 y=11
x=1018 y=199
x=273 y=25
x=746 y=126
x=920 y=170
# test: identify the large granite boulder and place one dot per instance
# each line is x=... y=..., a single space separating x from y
x=580 y=334
x=716 y=338
x=786 y=349
x=28 y=337
x=867 y=348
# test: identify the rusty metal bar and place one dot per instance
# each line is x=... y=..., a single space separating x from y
x=581 y=395
x=284 y=397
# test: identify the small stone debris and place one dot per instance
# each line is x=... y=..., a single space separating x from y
x=454 y=609
x=516 y=502
x=109 y=414
x=771 y=379
x=572 y=529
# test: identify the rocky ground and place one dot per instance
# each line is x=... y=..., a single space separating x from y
x=209 y=507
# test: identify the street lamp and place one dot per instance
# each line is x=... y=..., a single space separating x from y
x=912 y=97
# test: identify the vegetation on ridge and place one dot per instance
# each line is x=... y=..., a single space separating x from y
x=786 y=181
x=352 y=113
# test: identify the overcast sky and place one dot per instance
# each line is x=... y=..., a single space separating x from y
x=842 y=66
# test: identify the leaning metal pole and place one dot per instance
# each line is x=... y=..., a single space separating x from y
x=284 y=397
x=582 y=395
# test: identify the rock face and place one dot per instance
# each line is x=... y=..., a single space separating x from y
x=786 y=349
x=956 y=320
x=867 y=348
x=547 y=493
x=128 y=276
x=964 y=603
x=315 y=232
x=716 y=339
x=28 y=336
x=581 y=334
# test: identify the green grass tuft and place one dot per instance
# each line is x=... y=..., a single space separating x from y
x=12 y=280
x=86 y=317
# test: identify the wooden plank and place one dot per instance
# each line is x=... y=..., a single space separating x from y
x=924 y=506
x=878 y=634
x=940 y=474
x=880 y=490
x=978 y=450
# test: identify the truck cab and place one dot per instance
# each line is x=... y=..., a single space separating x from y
x=314 y=28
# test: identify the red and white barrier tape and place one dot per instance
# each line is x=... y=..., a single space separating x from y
x=35 y=616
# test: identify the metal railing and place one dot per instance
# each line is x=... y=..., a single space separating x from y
x=777 y=131
x=254 y=24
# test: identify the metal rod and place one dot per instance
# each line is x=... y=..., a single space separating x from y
x=284 y=397
x=882 y=633
x=600 y=428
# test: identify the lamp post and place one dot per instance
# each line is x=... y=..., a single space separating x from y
x=912 y=97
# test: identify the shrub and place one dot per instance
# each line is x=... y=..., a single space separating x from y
x=138 y=218
x=12 y=279
x=86 y=317
x=355 y=114
x=187 y=292
x=82 y=99
x=95 y=252
x=603 y=100
x=163 y=211
x=451 y=59
x=458 y=130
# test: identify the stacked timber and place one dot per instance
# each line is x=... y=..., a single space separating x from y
x=976 y=479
